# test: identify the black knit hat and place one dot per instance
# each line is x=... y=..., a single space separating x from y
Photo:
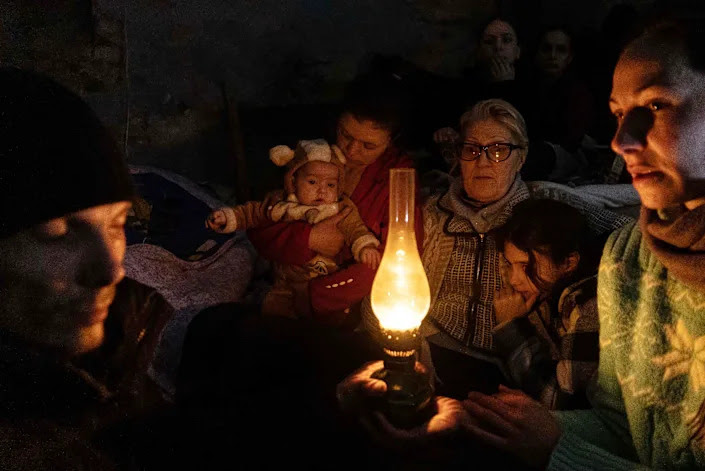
x=55 y=155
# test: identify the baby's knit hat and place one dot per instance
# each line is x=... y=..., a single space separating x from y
x=55 y=156
x=308 y=151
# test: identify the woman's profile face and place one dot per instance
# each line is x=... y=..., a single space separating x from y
x=657 y=98
x=486 y=181
x=362 y=141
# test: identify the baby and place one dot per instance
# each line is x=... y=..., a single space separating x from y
x=312 y=192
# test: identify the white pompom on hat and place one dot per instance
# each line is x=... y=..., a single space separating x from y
x=307 y=151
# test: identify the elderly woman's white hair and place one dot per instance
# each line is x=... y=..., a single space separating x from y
x=501 y=111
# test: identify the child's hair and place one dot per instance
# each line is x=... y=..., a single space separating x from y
x=552 y=228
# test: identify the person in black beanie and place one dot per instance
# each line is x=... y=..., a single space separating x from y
x=75 y=336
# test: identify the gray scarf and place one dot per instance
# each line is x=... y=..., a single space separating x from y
x=488 y=217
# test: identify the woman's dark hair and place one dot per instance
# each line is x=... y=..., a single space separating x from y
x=551 y=27
x=672 y=28
x=554 y=229
x=378 y=97
x=504 y=19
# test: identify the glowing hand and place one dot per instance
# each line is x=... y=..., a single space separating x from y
x=514 y=423
x=371 y=257
x=354 y=393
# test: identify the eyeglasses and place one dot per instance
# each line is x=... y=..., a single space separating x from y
x=498 y=152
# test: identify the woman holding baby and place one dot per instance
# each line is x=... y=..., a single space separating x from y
x=367 y=132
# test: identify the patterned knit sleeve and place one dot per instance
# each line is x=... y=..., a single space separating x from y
x=599 y=438
x=587 y=444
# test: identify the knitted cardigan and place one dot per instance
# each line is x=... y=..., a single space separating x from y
x=649 y=408
x=442 y=227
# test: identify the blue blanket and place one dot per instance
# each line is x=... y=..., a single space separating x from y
x=176 y=221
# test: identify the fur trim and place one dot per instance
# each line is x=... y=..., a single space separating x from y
x=316 y=149
x=281 y=155
x=362 y=242
x=277 y=212
x=293 y=211
x=325 y=211
x=230 y=220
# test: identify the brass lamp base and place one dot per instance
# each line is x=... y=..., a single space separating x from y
x=407 y=402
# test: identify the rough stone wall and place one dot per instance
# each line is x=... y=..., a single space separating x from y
x=159 y=71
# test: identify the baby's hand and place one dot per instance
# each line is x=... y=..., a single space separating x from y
x=311 y=215
x=371 y=257
x=216 y=221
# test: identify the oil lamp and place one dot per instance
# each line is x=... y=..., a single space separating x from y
x=400 y=299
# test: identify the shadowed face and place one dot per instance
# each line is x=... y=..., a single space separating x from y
x=58 y=278
x=362 y=141
x=498 y=40
x=659 y=103
x=554 y=54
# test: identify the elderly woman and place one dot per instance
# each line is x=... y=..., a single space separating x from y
x=460 y=255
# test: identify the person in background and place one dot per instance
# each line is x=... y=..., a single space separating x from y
x=559 y=111
x=498 y=51
x=76 y=337
x=494 y=75
x=547 y=328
